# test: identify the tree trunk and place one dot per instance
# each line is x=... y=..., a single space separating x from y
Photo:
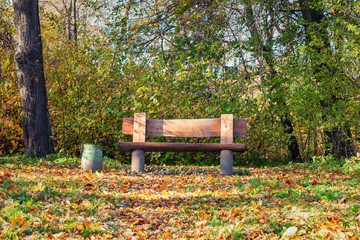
x=68 y=19
x=339 y=139
x=0 y=84
x=75 y=22
x=31 y=80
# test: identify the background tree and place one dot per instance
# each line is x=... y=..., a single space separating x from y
x=293 y=78
x=328 y=72
x=29 y=61
x=262 y=43
x=6 y=36
x=11 y=137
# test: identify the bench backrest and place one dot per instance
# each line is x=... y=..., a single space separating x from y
x=184 y=127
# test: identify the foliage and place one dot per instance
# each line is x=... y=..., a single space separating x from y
x=11 y=139
x=53 y=198
x=186 y=59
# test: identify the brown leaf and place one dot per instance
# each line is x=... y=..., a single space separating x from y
x=288 y=181
x=314 y=182
x=88 y=186
x=144 y=227
x=4 y=176
x=343 y=199
x=136 y=221
x=329 y=217
x=156 y=222
x=259 y=196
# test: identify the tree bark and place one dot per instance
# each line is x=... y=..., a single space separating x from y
x=68 y=19
x=340 y=139
x=0 y=84
x=75 y=22
x=31 y=80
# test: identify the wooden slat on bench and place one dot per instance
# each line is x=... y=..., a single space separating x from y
x=180 y=147
x=185 y=127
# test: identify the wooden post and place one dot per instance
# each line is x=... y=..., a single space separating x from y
x=139 y=133
x=227 y=136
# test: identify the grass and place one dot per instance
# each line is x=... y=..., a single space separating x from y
x=52 y=198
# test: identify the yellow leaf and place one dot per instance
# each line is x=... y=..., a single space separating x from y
x=11 y=206
x=68 y=214
x=39 y=187
x=89 y=175
x=256 y=205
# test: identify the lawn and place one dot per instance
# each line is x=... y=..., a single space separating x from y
x=53 y=198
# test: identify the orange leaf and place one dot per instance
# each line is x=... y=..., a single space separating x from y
x=288 y=181
x=89 y=175
x=17 y=221
x=236 y=211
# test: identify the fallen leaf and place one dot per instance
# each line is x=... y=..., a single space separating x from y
x=144 y=227
x=290 y=232
x=18 y=220
x=200 y=223
x=86 y=203
x=259 y=196
x=314 y=182
x=343 y=199
x=288 y=181
x=59 y=235
x=88 y=186
x=325 y=233
x=136 y=221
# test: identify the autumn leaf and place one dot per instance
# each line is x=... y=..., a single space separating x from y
x=88 y=186
x=89 y=175
x=39 y=187
x=4 y=176
x=343 y=199
x=236 y=211
x=18 y=220
x=256 y=205
x=288 y=181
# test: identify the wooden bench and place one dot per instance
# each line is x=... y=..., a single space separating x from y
x=225 y=127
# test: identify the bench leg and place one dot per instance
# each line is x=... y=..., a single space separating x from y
x=226 y=162
x=137 y=161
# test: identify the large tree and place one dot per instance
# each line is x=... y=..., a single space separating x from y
x=263 y=41
x=31 y=80
x=328 y=74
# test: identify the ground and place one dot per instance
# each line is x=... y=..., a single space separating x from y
x=53 y=198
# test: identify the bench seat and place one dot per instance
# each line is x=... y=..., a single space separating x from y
x=180 y=147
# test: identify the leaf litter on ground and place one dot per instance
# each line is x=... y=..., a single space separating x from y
x=46 y=199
